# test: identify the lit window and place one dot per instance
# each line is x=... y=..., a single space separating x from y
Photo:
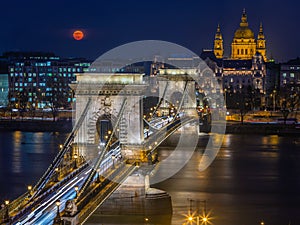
x=284 y=75
x=292 y=75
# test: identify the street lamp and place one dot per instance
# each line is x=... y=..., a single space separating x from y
x=76 y=190
x=6 y=215
x=204 y=218
x=29 y=188
x=75 y=161
x=57 y=219
x=225 y=91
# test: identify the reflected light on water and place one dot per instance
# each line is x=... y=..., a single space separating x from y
x=16 y=156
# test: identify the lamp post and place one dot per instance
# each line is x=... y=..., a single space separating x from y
x=76 y=190
x=57 y=219
x=29 y=188
x=204 y=218
x=6 y=215
x=75 y=161
x=225 y=97
x=57 y=174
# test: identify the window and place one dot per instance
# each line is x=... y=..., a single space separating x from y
x=242 y=51
x=246 y=50
x=238 y=51
x=292 y=75
x=284 y=75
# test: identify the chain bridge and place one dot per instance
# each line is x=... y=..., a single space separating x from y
x=112 y=138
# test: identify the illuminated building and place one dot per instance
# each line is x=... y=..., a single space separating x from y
x=290 y=84
x=243 y=46
x=3 y=82
x=39 y=80
x=244 y=72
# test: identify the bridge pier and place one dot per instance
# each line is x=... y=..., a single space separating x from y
x=135 y=200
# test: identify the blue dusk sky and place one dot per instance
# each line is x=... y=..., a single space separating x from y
x=35 y=25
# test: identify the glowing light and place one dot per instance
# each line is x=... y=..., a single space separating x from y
x=78 y=35
x=190 y=218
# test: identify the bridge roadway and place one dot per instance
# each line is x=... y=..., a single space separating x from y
x=45 y=211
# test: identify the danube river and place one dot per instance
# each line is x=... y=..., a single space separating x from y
x=253 y=178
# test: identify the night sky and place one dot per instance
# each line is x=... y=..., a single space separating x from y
x=35 y=25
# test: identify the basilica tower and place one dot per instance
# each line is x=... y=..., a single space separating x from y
x=261 y=43
x=243 y=45
x=218 y=44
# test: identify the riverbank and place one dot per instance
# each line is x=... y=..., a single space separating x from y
x=64 y=126
x=262 y=128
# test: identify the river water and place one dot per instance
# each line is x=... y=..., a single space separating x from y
x=254 y=178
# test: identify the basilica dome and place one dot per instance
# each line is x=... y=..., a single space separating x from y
x=243 y=32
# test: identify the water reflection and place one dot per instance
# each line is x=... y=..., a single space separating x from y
x=253 y=178
x=16 y=155
x=24 y=157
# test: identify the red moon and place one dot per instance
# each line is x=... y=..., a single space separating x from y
x=78 y=35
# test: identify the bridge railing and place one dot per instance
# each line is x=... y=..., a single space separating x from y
x=158 y=137
x=67 y=145
x=103 y=191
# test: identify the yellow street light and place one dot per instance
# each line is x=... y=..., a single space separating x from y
x=205 y=219
x=76 y=190
x=109 y=132
x=190 y=218
x=6 y=202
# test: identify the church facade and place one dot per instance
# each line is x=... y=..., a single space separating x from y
x=244 y=71
x=244 y=45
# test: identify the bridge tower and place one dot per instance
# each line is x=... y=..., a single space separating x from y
x=177 y=89
x=110 y=94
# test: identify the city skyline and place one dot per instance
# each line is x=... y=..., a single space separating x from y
x=48 y=26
